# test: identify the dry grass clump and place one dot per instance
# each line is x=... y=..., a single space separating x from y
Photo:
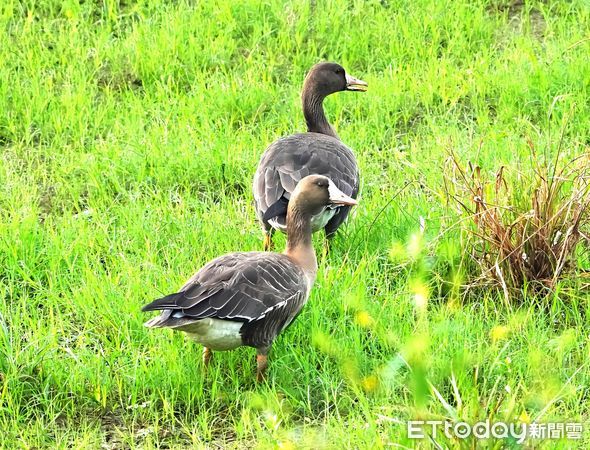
x=523 y=228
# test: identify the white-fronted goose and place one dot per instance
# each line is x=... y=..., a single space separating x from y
x=319 y=151
x=249 y=298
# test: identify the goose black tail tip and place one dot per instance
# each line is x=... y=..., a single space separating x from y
x=167 y=302
x=279 y=208
x=149 y=307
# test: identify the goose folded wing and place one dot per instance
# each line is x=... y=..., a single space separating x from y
x=238 y=288
x=323 y=155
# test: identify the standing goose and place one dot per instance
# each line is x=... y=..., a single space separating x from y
x=249 y=298
x=319 y=151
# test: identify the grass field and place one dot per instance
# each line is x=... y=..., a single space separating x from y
x=129 y=135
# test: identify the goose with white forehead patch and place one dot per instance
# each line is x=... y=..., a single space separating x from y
x=249 y=298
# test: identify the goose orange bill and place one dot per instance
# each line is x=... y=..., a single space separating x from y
x=337 y=197
x=354 y=84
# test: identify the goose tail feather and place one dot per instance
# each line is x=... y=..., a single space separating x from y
x=156 y=322
x=168 y=302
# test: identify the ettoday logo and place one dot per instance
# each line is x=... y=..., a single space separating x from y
x=419 y=429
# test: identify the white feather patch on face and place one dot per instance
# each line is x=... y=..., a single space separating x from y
x=335 y=193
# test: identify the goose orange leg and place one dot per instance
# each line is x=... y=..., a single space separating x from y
x=207 y=354
x=327 y=242
x=261 y=366
x=268 y=244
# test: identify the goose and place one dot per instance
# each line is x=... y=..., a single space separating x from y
x=319 y=151
x=248 y=298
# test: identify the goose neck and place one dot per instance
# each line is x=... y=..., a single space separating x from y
x=313 y=111
x=299 y=241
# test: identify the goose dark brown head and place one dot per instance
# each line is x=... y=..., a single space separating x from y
x=327 y=78
x=322 y=80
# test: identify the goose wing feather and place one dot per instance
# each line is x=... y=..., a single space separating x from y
x=292 y=158
x=239 y=286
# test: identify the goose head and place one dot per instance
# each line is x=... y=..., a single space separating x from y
x=314 y=193
x=311 y=197
x=327 y=78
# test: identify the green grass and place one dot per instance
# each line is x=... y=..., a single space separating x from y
x=129 y=135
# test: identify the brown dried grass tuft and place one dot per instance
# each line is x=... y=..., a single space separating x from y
x=523 y=229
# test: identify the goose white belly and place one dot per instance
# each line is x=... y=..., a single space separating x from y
x=216 y=334
x=318 y=221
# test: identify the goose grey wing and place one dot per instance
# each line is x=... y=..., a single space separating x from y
x=290 y=159
x=239 y=286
